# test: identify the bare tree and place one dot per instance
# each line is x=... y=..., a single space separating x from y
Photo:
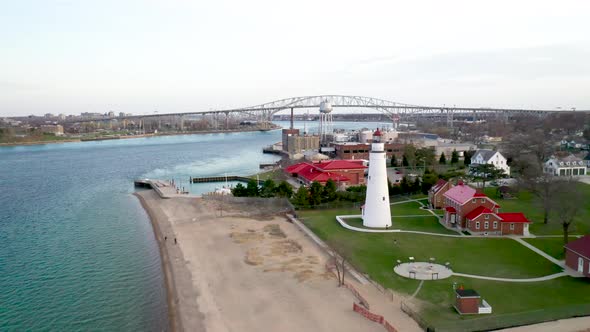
x=543 y=186
x=566 y=206
x=338 y=260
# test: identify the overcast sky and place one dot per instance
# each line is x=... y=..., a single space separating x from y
x=174 y=56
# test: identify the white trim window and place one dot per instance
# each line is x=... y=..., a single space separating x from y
x=511 y=226
x=495 y=225
x=486 y=216
x=486 y=225
x=473 y=200
x=483 y=200
x=477 y=225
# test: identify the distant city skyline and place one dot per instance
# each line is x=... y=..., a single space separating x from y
x=178 y=56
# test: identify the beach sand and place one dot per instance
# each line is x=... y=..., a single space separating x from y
x=244 y=274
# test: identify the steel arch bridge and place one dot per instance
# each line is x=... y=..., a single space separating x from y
x=392 y=109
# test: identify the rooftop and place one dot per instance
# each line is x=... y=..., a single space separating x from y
x=513 y=217
x=581 y=246
x=467 y=293
x=460 y=193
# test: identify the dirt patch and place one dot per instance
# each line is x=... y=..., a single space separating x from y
x=304 y=275
x=249 y=236
x=285 y=247
x=253 y=257
x=274 y=230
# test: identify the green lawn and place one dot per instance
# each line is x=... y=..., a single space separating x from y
x=375 y=255
x=408 y=208
x=551 y=245
x=527 y=204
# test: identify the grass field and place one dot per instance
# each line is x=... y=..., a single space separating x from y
x=550 y=245
x=527 y=204
x=376 y=254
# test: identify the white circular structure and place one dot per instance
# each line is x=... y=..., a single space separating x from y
x=423 y=271
x=325 y=107
x=377 y=211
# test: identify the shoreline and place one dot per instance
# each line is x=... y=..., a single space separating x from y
x=109 y=138
x=174 y=321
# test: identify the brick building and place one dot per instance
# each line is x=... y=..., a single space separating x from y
x=467 y=209
x=435 y=194
x=577 y=255
x=353 y=150
x=343 y=172
x=468 y=301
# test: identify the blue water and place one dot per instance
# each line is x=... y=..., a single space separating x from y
x=77 y=251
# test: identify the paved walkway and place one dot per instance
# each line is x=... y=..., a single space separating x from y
x=549 y=277
x=539 y=251
x=340 y=220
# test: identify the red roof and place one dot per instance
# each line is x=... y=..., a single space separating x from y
x=297 y=167
x=580 y=246
x=513 y=217
x=339 y=164
x=477 y=212
x=460 y=193
x=478 y=194
x=438 y=185
x=451 y=209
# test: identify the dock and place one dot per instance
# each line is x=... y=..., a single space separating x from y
x=165 y=189
x=222 y=179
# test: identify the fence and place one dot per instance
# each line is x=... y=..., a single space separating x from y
x=355 y=292
x=373 y=317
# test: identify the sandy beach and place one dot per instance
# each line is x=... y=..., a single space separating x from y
x=242 y=272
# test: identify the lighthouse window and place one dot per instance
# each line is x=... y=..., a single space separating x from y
x=384 y=198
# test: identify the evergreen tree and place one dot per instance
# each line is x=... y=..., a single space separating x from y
x=284 y=189
x=404 y=186
x=405 y=162
x=428 y=180
x=416 y=186
x=252 y=189
x=268 y=188
x=239 y=190
x=442 y=160
x=301 y=197
x=315 y=193
x=329 y=191
x=454 y=157
x=467 y=159
x=393 y=161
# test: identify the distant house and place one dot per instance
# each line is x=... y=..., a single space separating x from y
x=467 y=209
x=435 y=194
x=565 y=166
x=577 y=255
x=482 y=157
x=343 y=172
x=587 y=161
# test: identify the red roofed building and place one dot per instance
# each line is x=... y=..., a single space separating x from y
x=435 y=194
x=343 y=172
x=577 y=255
x=485 y=221
x=465 y=208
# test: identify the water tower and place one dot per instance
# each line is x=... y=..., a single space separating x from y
x=326 y=122
x=377 y=212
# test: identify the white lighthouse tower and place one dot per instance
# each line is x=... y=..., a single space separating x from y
x=377 y=212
